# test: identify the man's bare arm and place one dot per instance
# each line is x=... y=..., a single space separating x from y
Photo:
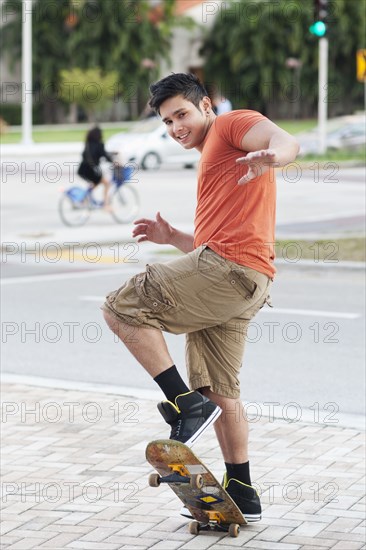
x=267 y=146
x=161 y=232
x=182 y=241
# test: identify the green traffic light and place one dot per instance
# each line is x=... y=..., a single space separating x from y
x=318 y=28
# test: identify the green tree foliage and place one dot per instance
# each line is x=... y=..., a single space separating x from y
x=120 y=36
x=250 y=44
x=49 y=38
x=88 y=88
x=126 y=36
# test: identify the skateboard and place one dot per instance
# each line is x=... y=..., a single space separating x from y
x=208 y=502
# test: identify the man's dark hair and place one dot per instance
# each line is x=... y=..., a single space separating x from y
x=187 y=85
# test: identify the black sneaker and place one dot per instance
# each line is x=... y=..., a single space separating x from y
x=244 y=496
x=189 y=416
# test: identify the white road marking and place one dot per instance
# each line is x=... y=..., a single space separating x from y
x=91 y=298
x=100 y=272
x=69 y=275
x=312 y=313
x=280 y=311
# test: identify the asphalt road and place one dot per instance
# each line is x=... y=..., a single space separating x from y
x=31 y=190
x=307 y=352
x=308 y=349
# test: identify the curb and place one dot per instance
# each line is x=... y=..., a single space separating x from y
x=14 y=149
x=44 y=148
x=346 y=420
x=310 y=264
x=76 y=148
x=162 y=253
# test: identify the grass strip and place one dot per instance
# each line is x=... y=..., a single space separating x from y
x=329 y=251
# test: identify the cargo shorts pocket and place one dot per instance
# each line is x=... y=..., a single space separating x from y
x=152 y=293
x=225 y=293
x=243 y=284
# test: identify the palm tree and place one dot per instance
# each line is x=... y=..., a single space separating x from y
x=250 y=44
x=113 y=35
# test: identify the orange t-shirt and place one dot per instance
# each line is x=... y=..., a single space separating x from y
x=236 y=221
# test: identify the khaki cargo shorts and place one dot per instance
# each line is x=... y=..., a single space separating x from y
x=205 y=296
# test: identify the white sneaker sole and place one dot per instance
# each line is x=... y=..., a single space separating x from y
x=210 y=420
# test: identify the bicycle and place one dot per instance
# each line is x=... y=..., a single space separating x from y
x=77 y=203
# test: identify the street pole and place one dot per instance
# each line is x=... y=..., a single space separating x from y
x=27 y=72
x=322 y=96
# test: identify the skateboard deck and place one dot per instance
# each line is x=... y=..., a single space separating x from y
x=198 y=489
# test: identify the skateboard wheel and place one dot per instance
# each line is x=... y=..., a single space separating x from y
x=234 y=530
x=194 y=527
x=196 y=481
x=154 y=480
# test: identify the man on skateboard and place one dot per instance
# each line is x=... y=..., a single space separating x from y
x=214 y=290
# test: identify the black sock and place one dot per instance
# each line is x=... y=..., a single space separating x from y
x=239 y=471
x=171 y=383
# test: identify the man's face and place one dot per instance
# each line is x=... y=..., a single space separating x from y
x=185 y=123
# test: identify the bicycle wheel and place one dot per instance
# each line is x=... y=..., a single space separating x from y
x=74 y=207
x=125 y=203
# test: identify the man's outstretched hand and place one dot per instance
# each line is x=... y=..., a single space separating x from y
x=258 y=163
x=156 y=231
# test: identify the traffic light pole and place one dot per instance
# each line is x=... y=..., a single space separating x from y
x=323 y=93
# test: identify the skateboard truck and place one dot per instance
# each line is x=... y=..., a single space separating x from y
x=214 y=523
x=210 y=506
x=215 y=519
x=180 y=475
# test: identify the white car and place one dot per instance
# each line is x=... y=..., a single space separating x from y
x=344 y=133
x=149 y=146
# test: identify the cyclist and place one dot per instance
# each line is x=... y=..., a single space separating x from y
x=89 y=168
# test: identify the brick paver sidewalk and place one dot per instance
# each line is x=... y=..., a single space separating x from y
x=75 y=476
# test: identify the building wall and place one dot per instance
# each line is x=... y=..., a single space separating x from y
x=187 y=43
